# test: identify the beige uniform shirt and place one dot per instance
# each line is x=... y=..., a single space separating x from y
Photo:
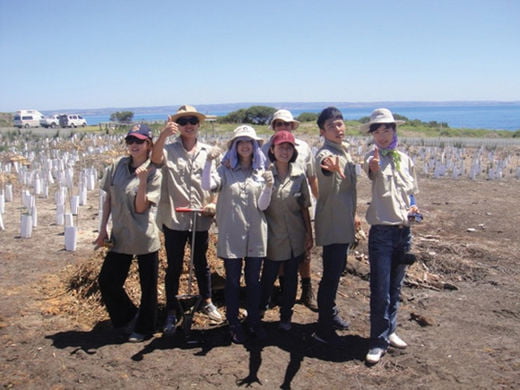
x=391 y=190
x=132 y=233
x=304 y=160
x=181 y=187
x=286 y=226
x=336 y=205
x=242 y=228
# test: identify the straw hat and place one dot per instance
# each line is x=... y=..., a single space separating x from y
x=187 y=110
x=380 y=115
x=245 y=131
x=284 y=115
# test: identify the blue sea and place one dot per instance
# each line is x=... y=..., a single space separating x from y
x=494 y=116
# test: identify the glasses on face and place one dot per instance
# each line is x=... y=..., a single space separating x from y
x=183 y=121
x=134 y=140
x=281 y=123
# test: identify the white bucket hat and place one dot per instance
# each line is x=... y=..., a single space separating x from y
x=284 y=115
x=245 y=131
x=380 y=115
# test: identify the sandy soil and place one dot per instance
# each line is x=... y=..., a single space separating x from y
x=460 y=312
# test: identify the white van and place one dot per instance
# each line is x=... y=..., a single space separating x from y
x=27 y=118
x=72 y=120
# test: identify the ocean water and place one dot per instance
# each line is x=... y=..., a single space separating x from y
x=503 y=116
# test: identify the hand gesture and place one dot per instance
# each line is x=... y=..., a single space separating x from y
x=99 y=242
x=142 y=173
x=332 y=165
x=268 y=177
x=373 y=164
x=171 y=128
x=209 y=210
x=213 y=153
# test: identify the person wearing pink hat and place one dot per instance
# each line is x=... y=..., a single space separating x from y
x=283 y=120
x=289 y=234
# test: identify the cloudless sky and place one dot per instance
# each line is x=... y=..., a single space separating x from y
x=62 y=54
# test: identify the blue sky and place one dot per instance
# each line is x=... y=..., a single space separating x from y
x=122 y=53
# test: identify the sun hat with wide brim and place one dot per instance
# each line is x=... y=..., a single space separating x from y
x=245 y=131
x=380 y=116
x=187 y=110
x=284 y=115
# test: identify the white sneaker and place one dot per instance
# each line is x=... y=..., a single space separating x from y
x=396 y=342
x=212 y=312
x=374 y=355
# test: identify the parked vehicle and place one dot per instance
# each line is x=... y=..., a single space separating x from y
x=72 y=120
x=50 y=121
x=27 y=118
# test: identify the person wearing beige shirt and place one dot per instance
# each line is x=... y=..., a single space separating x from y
x=394 y=185
x=335 y=222
x=289 y=234
x=181 y=162
x=133 y=187
x=244 y=190
x=283 y=120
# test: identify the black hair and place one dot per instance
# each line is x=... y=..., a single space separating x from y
x=329 y=113
x=272 y=158
x=375 y=126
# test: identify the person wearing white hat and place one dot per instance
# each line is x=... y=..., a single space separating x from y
x=244 y=189
x=283 y=120
x=394 y=185
x=182 y=162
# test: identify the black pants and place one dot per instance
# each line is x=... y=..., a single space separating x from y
x=119 y=306
x=175 y=243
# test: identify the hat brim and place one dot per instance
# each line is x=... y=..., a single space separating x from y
x=198 y=115
x=137 y=135
x=366 y=127
x=259 y=140
x=296 y=123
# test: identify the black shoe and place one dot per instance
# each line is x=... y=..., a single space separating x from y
x=329 y=337
x=339 y=323
x=237 y=334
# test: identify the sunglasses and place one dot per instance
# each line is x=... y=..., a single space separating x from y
x=183 y=121
x=281 y=123
x=134 y=140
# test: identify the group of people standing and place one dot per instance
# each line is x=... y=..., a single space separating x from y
x=260 y=196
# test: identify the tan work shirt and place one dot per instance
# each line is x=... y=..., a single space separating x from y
x=286 y=226
x=242 y=227
x=336 y=205
x=181 y=187
x=391 y=190
x=132 y=233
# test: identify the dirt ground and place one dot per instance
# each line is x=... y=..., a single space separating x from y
x=460 y=312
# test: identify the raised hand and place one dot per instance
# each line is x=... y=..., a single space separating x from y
x=269 y=178
x=213 y=153
x=171 y=128
x=332 y=165
x=373 y=164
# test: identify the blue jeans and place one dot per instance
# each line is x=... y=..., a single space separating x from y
x=386 y=244
x=175 y=243
x=232 y=290
x=120 y=307
x=334 y=262
x=269 y=274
